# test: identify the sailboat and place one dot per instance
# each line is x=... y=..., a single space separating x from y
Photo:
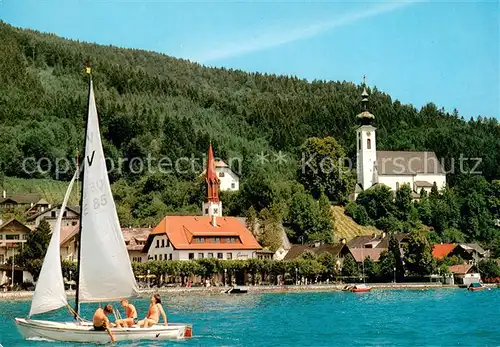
x=104 y=270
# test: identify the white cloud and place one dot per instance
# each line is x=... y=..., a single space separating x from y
x=286 y=35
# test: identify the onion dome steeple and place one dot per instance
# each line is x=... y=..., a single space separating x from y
x=365 y=117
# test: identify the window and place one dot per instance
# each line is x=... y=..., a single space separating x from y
x=202 y=240
x=220 y=256
x=168 y=243
x=1 y=236
x=210 y=255
x=2 y=259
x=157 y=243
x=165 y=257
x=65 y=214
x=369 y=144
x=73 y=223
x=163 y=243
x=233 y=185
x=397 y=185
x=156 y=257
x=137 y=259
x=53 y=214
x=191 y=255
x=200 y=255
x=221 y=174
x=206 y=211
x=160 y=257
x=217 y=240
x=170 y=256
x=229 y=256
x=12 y=237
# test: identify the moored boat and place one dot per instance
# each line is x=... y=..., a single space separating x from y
x=360 y=288
x=476 y=286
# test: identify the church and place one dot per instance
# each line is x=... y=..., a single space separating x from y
x=420 y=170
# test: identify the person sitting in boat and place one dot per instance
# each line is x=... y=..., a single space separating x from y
x=153 y=316
x=101 y=322
x=131 y=315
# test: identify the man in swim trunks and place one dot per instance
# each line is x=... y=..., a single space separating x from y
x=101 y=322
x=154 y=311
x=131 y=315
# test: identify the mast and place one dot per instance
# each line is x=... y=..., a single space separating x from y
x=77 y=301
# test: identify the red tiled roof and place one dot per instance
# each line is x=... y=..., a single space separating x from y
x=441 y=250
x=181 y=229
x=460 y=269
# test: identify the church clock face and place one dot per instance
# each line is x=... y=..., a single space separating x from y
x=368 y=133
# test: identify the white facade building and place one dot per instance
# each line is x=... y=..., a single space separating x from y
x=420 y=170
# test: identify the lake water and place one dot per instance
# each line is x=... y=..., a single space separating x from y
x=443 y=317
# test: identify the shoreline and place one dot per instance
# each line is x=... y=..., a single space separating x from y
x=25 y=295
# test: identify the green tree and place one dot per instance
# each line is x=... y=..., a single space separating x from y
x=33 y=251
x=322 y=169
x=251 y=220
x=418 y=254
x=405 y=210
x=350 y=267
x=371 y=269
x=387 y=264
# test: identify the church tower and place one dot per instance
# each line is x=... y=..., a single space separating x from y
x=366 y=153
x=212 y=205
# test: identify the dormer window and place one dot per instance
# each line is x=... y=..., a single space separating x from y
x=221 y=174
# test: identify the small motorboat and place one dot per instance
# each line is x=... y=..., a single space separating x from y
x=476 y=286
x=236 y=290
x=360 y=288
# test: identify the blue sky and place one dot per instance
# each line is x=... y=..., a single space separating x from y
x=443 y=52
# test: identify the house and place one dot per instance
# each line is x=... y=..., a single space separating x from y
x=466 y=251
x=372 y=246
x=206 y=236
x=12 y=234
x=27 y=200
x=420 y=170
x=465 y=274
x=40 y=206
x=71 y=216
x=339 y=251
x=68 y=243
x=229 y=180
x=135 y=240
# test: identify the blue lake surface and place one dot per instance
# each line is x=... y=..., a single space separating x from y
x=446 y=317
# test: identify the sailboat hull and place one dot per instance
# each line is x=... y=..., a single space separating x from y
x=84 y=332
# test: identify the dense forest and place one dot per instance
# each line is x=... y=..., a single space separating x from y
x=154 y=106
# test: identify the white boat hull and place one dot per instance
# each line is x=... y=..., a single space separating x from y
x=84 y=332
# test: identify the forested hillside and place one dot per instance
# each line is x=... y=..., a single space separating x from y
x=153 y=105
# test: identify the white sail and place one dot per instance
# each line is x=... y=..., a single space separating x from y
x=49 y=292
x=105 y=270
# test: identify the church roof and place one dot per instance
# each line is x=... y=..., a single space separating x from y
x=408 y=163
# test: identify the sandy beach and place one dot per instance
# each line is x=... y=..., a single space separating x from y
x=19 y=295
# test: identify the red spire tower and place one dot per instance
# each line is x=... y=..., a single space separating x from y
x=213 y=182
x=212 y=206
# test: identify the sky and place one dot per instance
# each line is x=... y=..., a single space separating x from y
x=446 y=52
